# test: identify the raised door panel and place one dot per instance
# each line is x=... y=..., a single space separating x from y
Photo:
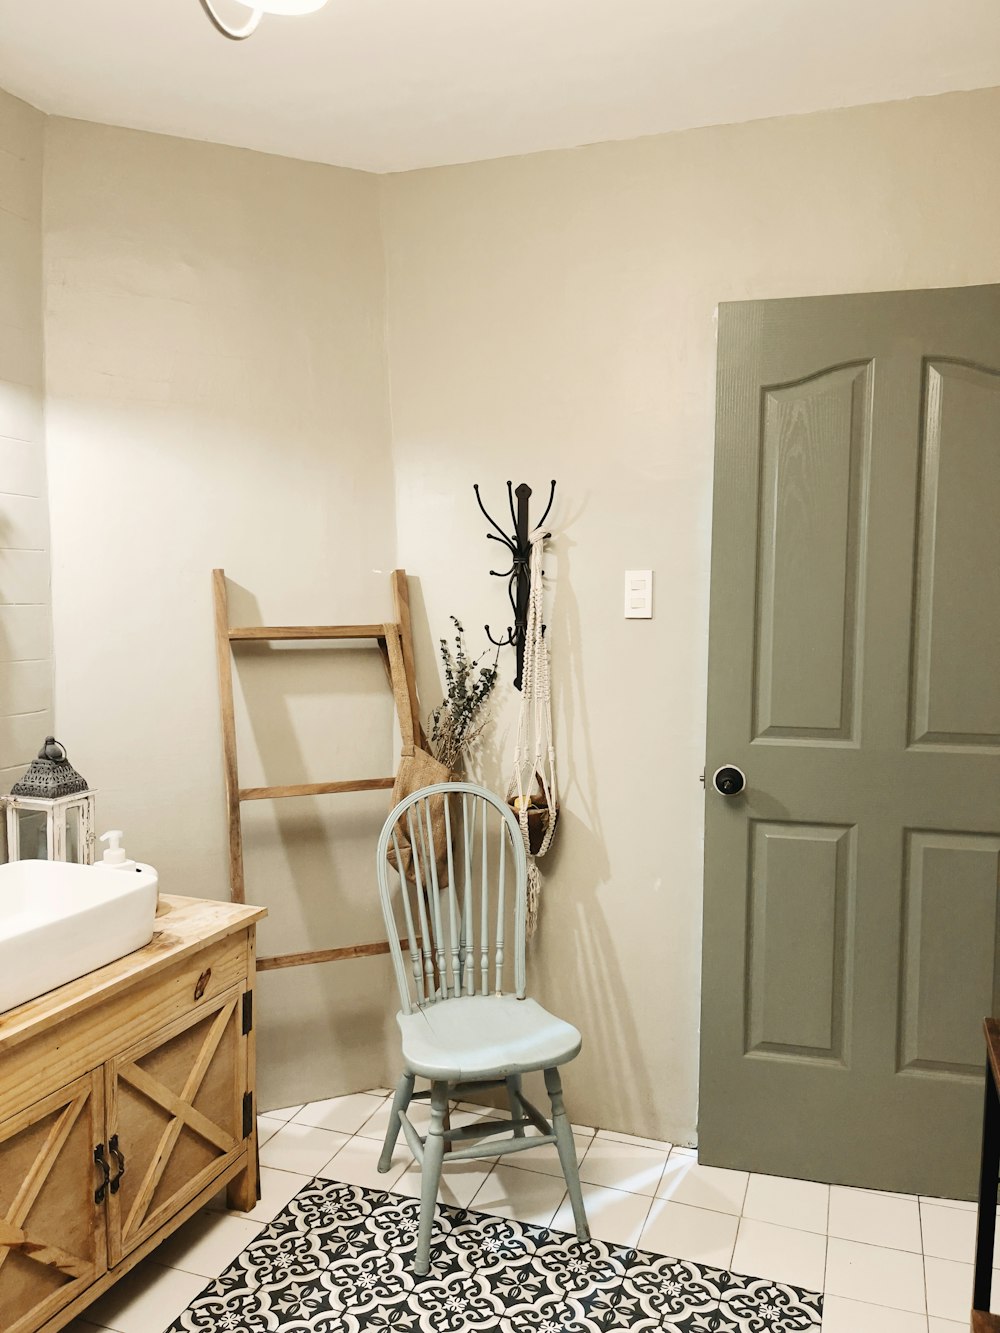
x=175 y=1115
x=52 y=1226
x=950 y=950
x=814 y=452
x=801 y=878
x=956 y=640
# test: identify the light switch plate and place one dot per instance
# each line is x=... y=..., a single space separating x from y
x=638 y=594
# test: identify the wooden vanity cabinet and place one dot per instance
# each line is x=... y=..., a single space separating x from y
x=126 y=1102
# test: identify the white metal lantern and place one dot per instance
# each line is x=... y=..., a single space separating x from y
x=50 y=811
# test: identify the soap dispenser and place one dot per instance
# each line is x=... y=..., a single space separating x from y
x=114 y=854
x=115 y=860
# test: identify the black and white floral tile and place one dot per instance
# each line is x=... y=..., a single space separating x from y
x=339 y=1259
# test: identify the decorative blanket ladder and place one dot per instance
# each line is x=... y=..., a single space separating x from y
x=225 y=637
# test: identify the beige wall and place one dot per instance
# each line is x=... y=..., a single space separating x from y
x=25 y=615
x=217 y=396
x=554 y=316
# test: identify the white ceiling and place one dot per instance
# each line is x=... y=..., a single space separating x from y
x=388 y=85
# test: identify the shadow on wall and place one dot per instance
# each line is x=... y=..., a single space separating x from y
x=427 y=649
x=573 y=959
x=573 y=964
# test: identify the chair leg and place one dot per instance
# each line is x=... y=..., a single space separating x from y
x=404 y=1091
x=567 y=1151
x=431 y=1175
x=514 y=1098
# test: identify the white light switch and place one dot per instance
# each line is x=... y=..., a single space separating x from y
x=638 y=594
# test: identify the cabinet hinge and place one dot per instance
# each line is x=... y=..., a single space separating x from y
x=247 y=1011
x=247 y=1114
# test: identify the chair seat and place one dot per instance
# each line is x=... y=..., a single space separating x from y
x=484 y=1036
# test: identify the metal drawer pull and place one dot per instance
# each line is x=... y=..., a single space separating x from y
x=119 y=1157
x=101 y=1161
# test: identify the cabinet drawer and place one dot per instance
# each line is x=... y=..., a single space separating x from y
x=81 y=1043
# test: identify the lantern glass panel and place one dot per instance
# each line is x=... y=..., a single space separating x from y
x=73 y=833
x=31 y=828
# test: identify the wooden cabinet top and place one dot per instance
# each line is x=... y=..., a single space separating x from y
x=183 y=926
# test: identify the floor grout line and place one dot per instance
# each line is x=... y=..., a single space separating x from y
x=645 y=1222
x=707 y=1208
x=923 y=1262
x=743 y=1198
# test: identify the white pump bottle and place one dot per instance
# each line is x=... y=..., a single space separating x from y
x=114 y=854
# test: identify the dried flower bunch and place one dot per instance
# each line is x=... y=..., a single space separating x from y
x=461 y=716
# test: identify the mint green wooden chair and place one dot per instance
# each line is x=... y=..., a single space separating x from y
x=460 y=1029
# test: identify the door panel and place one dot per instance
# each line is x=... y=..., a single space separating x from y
x=950 y=901
x=807 y=554
x=176 y=1107
x=956 y=640
x=799 y=884
x=850 y=929
x=52 y=1230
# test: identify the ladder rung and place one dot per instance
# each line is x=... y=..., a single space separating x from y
x=324 y=955
x=316 y=789
x=266 y=632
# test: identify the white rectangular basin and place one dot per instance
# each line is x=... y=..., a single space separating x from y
x=59 y=921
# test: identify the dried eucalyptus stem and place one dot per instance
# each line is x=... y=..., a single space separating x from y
x=460 y=718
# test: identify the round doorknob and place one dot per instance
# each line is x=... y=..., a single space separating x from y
x=729 y=780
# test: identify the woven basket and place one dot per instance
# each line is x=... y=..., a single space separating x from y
x=538 y=820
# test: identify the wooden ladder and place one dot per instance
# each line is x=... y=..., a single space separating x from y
x=225 y=637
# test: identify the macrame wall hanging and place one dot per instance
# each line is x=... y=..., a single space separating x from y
x=533 y=792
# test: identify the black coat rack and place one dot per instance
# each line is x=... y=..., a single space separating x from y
x=519 y=574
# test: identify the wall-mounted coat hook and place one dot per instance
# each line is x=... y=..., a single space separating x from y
x=518 y=576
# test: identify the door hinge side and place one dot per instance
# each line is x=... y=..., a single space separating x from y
x=247 y=1011
x=247 y=1114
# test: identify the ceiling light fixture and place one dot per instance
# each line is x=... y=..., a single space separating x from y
x=258 y=8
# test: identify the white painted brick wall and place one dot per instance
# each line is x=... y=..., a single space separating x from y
x=25 y=601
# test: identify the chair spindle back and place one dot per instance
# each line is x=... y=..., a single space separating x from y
x=458 y=928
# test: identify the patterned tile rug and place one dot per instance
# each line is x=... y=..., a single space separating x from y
x=339 y=1259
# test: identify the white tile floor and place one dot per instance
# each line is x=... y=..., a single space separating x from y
x=887 y=1263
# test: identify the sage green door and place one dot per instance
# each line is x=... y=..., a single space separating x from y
x=851 y=890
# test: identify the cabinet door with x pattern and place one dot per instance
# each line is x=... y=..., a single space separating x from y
x=52 y=1220
x=175 y=1118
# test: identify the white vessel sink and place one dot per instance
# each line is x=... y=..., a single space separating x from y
x=59 y=921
